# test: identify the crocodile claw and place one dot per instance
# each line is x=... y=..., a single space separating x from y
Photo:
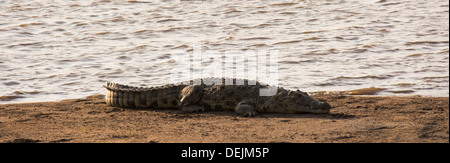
x=249 y=114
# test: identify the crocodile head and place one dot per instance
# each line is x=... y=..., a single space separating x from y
x=299 y=102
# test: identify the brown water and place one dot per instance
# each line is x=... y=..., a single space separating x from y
x=58 y=49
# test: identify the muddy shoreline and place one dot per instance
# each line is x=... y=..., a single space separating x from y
x=354 y=119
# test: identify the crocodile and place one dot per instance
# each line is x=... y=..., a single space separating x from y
x=242 y=96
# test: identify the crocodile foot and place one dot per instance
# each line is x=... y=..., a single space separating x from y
x=245 y=110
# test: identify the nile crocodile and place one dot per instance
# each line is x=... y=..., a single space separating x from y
x=243 y=97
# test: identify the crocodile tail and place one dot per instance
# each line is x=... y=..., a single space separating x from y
x=119 y=95
x=112 y=94
x=109 y=92
x=125 y=96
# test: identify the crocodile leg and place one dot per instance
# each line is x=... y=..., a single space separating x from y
x=245 y=109
x=191 y=95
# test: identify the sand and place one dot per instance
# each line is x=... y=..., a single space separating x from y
x=354 y=119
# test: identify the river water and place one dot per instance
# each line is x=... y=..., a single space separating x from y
x=60 y=49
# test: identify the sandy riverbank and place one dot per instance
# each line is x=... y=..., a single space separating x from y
x=353 y=119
